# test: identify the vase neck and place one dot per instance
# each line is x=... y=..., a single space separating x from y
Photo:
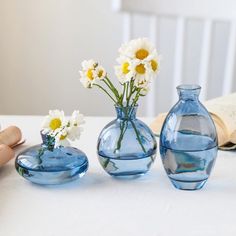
x=126 y=113
x=188 y=91
x=48 y=141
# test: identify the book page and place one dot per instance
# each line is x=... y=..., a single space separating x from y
x=222 y=131
x=225 y=108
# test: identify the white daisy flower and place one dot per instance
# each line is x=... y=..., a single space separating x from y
x=77 y=119
x=62 y=142
x=88 y=73
x=123 y=71
x=75 y=129
x=142 y=72
x=139 y=49
x=100 y=73
x=61 y=139
x=67 y=134
x=154 y=65
x=64 y=131
x=54 y=121
x=138 y=60
x=74 y=132
x=88 y=64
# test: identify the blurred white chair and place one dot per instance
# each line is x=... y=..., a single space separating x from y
x=208 y=11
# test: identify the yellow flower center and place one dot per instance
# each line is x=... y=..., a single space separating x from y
x=63 y=137
x=154 y=65
x=141 y=54
x=90 y=74
x=140 y=69
x=100 y=73
x=55 y=123
x=125 y=67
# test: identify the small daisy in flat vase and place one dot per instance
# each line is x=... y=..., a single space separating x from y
x=58 y=131
x=54 y=161
x=126 y=146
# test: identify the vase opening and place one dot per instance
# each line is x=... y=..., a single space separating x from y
x=188 y=91
x=48 y=142
x=127 y=112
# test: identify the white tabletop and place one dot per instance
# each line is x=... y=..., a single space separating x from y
x=98 y=204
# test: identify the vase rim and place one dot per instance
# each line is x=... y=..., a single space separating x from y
x=188 y=87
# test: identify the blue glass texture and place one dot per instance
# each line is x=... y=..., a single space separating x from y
x=126 y=146
x=61 y=165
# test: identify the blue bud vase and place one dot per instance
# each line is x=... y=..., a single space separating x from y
x=126 y=146
x=188 y=141
x=46 y=164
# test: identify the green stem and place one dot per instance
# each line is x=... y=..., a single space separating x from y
x=127 y=89
x=123 y=94
x=40 y=153
x=99 y=86
x=130 y=91
x=105 y=164
x=114 y=90
x=123 y=127
x=137 y=135
x=136 y=97
x=108 y=85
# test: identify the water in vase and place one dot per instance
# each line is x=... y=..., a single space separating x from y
x=127 y=165
x=188 y=163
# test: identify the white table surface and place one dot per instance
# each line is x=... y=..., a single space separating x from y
x=98 y=204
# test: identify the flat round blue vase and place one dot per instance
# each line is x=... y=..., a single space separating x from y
x=61 y=165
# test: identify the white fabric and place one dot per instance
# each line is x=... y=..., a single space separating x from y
x=98 y=204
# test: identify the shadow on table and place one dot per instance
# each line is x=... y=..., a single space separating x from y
x=102 y=180
x=151 y=176
x=90 y=180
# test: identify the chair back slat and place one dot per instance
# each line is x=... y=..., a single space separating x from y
x=205 y=57
x=127 y=27
x=178 y=56
x=230 y=60
x=151 y=96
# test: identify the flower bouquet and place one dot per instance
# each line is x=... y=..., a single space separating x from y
x=126 y=146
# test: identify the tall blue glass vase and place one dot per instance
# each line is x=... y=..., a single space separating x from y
x=188 y=141
x=126 y=146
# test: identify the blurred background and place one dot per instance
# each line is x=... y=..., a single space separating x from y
x=42 y=44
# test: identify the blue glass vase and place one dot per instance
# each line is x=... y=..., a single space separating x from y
x=44 y=164
x=126 y=146
x=188 y=141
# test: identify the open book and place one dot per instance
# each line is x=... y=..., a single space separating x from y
x=223 y=113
